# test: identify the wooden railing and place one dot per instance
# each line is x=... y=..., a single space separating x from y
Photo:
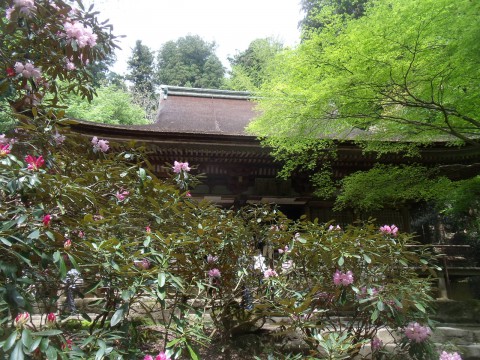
x=456 y=262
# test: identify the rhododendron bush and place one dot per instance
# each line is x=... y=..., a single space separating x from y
x=85 y=218
x=45 y=47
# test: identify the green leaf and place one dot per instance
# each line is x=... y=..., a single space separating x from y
x=35 y=234
x=17 y=353
x=173 y=342
x=10 y=341
x=51 y=353
x=86 y=317
x=301 y=240
x=34 y=345
x=52 y=332
x=5 y=241
x=44 y=344
x=27 y=338
x=367 y=258
x=117 y=317
x=72 y=260
x=341 y=261
x=192 y=352
x=375 y=315
x=101 y=351
x=380 y=306
x=420 y=307
x=161 y=279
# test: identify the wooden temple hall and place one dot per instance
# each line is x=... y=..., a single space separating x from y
x=207 y=129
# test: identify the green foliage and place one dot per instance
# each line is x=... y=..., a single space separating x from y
x=390 y=86
x=391 y=186
x=7 y=119
x=100 y=70
x=140 y=66
x=189 y=61
x=319 y=13
x=249 y=67
x=111 y=106
x=412 y=78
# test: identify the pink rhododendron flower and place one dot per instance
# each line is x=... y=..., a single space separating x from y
x=53 y=5
x=21 y=319
x=214 y=273
x=390 y=230
x=376 y=344
x=4 y=140
x=59 y=138
x=69 y=65
x=25 y=8
x=46 y=219
x=332 y=228
x=449 y=356
x=100 y=145
x=212 y=259
x=188 y=194
x=51 y=319
x=148 y=230
x=269 y=273
x=67 y=245
x=122 y=195
x=8 y=12
x=365 y=293
x=162 y=356
x=180 y=166
x=82 y=35
x=416 y=332
x=34 y=163
x=27 y=70
x=342 y=278
x=4 y=149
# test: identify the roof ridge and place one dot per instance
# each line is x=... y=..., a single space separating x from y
x=200 y=92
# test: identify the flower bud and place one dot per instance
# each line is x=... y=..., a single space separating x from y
x=51 y=319
x=21 y=319
x=67 y=244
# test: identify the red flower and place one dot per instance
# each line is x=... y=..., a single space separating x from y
x=67 y=344
x=46 y=219
x=34 y=163
x=10 y=72
x=4 y=149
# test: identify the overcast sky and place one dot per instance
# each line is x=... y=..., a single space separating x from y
x=232 y=24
